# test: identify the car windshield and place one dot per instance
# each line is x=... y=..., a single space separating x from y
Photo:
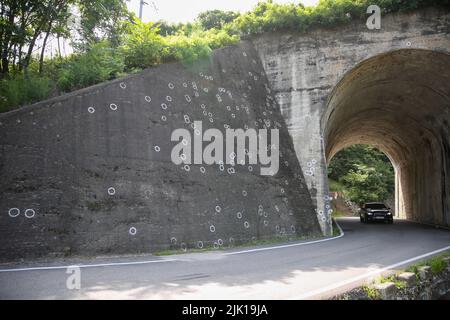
x=375 y=206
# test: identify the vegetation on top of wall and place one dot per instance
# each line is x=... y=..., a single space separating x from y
x=362 y=174
x=269 y=16
x=109 y=41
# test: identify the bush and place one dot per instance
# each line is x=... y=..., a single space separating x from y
x=188 y=49
x=216 y=19
x=22 y=89
x=437 y=264
x=143 y=46
x=99 y=63
x=198 y=45
x=268 y=16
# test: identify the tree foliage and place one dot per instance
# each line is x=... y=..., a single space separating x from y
x=144 y=46
x=364 y=173
x=100 y=63
x=270 y=17
x=101 y=20
x=22 y=23
x=216 y=19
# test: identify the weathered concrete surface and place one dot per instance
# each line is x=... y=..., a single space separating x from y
x=350 y=85
x=60 y=157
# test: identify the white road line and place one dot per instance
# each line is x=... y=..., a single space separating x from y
x=365 y=275
x=89 y=265
x=168 y=260
x=289 y=245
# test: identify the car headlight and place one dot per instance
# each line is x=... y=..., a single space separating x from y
x=389 y=213
x=369 y=213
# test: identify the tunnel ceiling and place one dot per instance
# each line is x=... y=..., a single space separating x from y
x=394 y=101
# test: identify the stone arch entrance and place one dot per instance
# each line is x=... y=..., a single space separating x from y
x=400 y=102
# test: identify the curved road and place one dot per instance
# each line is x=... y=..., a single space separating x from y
x=293 y=271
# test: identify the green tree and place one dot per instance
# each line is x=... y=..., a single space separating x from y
x=101 y=19
x=168 y=29
x=142 y=45
x=216 y=18
x=22 y=23
x=100 y=63
x=365 y=173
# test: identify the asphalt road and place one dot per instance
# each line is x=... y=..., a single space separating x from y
x=293 y=271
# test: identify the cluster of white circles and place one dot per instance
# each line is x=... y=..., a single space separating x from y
x=311 y=168
x=15 y=212
x=217 y=244
x=321 y=215
x=199 y=244
x=231 y=170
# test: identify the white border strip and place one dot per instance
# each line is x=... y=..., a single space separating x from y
x=290 y=245
x=89 y=265
x=365 y=275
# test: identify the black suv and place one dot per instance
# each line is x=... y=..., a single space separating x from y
x=375 y=211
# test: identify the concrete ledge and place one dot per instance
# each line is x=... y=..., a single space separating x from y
x=408 y=277
x=423 y=284
x=386 y=290
x=424 y=272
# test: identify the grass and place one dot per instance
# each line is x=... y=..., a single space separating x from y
x=392 y=278
x=261 y=242
x=437 y=264
x=371 y=292
x=180 y=251
x=337 y=214
x=336 y=230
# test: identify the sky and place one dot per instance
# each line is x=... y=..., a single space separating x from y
x=187 y=10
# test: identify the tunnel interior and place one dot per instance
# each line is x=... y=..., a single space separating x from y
x=399 y=102
x=360 y=174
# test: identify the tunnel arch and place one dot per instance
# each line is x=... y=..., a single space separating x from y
x=399 y=102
